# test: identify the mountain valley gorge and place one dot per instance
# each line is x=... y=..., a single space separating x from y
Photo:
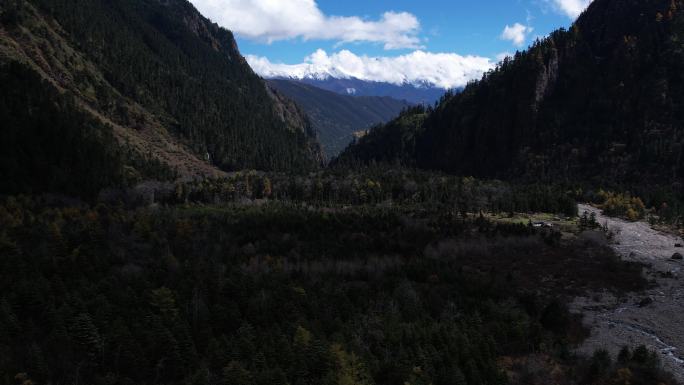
x=169 y=217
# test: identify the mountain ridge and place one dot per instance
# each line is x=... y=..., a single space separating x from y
x=595 y=103
x=155 y=71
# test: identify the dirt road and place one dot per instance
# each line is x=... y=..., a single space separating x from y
x=632 y=320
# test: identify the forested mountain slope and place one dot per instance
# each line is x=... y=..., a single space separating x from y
x=170 y=85
x=600 y=102
x=48 y=144
x=337 y=117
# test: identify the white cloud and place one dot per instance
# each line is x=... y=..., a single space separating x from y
x=273 y=20
x=446 y=70
x=517 y=33
x=501 y=56
x=572 y=8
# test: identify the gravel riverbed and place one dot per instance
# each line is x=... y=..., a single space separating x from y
x=655 y=317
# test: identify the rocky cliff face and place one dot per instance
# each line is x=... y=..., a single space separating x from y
x=546 y=79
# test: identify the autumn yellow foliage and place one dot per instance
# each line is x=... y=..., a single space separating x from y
x=622 y=205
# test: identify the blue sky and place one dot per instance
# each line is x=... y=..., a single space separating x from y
x=445 y=42
x=464 y=27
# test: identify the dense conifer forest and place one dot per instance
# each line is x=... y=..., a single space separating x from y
x=51 y=150
x=598 y=103
x=288 y=294
x=143 y=64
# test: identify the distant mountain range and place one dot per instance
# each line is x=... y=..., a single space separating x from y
x=336 y=117
x=419 y=93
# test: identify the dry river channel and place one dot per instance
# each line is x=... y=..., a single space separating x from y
x=655 y=317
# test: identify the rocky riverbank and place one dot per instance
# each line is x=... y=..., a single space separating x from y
x=654 y=318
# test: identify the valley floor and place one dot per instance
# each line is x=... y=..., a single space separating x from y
x=655 y=317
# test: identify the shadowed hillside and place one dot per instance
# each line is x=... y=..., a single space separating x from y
x=599 y=103
x=172 y=85
x=337 y=117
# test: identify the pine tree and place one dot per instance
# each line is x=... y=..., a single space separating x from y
x=87 y=337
